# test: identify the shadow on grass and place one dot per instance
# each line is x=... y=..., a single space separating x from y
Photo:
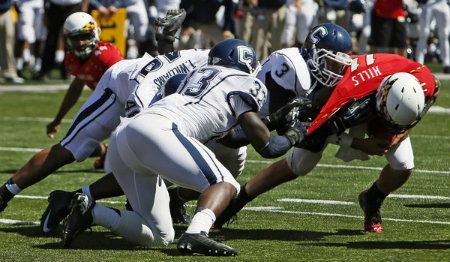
x=94 y=240
x=89 y=240
x=435 y=244
x=431 y=205
x=280 y=234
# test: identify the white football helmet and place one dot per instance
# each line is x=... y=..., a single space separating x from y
x=400 y=100
x=81 y=34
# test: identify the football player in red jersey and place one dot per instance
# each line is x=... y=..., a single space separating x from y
x=87 y=59
x=370 y=90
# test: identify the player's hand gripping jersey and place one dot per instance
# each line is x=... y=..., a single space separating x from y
x=103 y=57
x=364 y=77
x=154 y=75
x=209 y=101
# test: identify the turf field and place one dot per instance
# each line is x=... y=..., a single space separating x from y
x=313 y=218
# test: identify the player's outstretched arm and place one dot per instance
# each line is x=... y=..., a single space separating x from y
x=70 y=99
x=266 y=145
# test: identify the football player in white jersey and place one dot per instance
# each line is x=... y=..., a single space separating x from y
x=210 y=101
x=124 y=88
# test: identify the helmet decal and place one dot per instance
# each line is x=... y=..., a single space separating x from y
x=318 y=33
x=234 y=53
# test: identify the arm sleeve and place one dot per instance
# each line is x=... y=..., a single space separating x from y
x=277 y=146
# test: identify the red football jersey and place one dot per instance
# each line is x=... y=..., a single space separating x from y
x=103 y=57
x=365 y=75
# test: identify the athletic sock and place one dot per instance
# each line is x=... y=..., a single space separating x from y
x=202 y=221
x=12 y=187
x=85 y=190
x=374 y=194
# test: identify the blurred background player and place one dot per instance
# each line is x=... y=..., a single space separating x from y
x=301 y=16
x=388 y=34
x=200 y=28
x=266 y=22
x=31 y=34
x=7 y=37
x=440 y=11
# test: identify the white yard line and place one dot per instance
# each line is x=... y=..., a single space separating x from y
x=31 y=119
x=67 y=121
x=439 y=110
x=34 y=88
x=424 y=171
x=315 y=201
x=348 y=216
x=419 y=197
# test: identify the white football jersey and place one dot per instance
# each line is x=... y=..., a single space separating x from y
x=289 y=70
x=152 y=76
x=123 y=76
x=209 y=101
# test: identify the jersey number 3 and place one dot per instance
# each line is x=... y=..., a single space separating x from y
x=201 y=81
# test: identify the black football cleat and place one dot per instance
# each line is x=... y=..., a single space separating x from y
x=78 y=220
x=178 y=209
x=5 y=197
x=56 y=211
x=372 y=215
x=3 y=204
x=190 y=244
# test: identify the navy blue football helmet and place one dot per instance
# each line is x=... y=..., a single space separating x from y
x=234 y=53
x=328 y=48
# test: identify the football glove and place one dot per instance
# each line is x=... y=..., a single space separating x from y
x=296 y=133
x=284 y=116
x=357 y=113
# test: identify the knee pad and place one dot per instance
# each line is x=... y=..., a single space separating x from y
x=302 y=161
x=401 y=156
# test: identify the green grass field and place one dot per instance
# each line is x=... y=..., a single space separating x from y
x=417 y=228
